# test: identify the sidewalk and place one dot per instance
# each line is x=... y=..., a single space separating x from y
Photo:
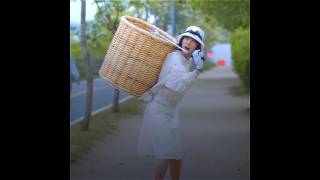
x=215 y=131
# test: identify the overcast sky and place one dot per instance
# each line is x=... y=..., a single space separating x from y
x=75 y=10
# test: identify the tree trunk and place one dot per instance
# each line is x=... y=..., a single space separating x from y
x=88 y=69
x=116 y=92
x=147 y=12
x=172 y=19
x=116 y=101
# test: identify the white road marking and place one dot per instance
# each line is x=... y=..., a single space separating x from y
x=83 y=92
x=100 y=110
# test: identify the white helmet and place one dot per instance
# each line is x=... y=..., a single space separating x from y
x=194 y=32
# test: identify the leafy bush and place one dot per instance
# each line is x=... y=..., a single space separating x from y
x=240 y=40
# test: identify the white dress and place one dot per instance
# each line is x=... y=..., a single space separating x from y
x=160 y=130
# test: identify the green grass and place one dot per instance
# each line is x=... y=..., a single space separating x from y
x=101 y=125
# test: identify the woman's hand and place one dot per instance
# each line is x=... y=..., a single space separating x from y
x=198 y=59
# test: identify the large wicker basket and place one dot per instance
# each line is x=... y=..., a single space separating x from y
x=135 y=56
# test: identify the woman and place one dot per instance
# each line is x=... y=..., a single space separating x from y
x=159 y=135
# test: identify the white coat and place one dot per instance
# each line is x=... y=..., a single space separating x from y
x=160 y=130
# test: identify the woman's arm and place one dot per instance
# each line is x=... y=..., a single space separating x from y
x=178 y=79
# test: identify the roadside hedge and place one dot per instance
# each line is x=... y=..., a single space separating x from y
x=240 y=48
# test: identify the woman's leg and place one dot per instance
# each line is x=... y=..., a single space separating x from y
x=161 y=168
x=175 y=169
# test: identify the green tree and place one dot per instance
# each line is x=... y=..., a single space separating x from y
x=98 y=39
x=109 y=13
x=159 y=10
x=186 y=17
x=233 y=16
x=140 y=8
x=229 y=14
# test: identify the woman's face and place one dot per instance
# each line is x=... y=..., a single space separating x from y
x=189 y=44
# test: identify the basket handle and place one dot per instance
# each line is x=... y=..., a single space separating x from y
x=156 y=32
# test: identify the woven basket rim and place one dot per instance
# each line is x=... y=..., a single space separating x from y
x=125 y=19
x=113 y=85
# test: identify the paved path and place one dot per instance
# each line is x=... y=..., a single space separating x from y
x=215 y=130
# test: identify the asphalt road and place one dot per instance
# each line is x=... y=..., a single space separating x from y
x=102 y=97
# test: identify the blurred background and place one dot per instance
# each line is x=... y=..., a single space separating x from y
x=219 y=19
x=226 y=25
